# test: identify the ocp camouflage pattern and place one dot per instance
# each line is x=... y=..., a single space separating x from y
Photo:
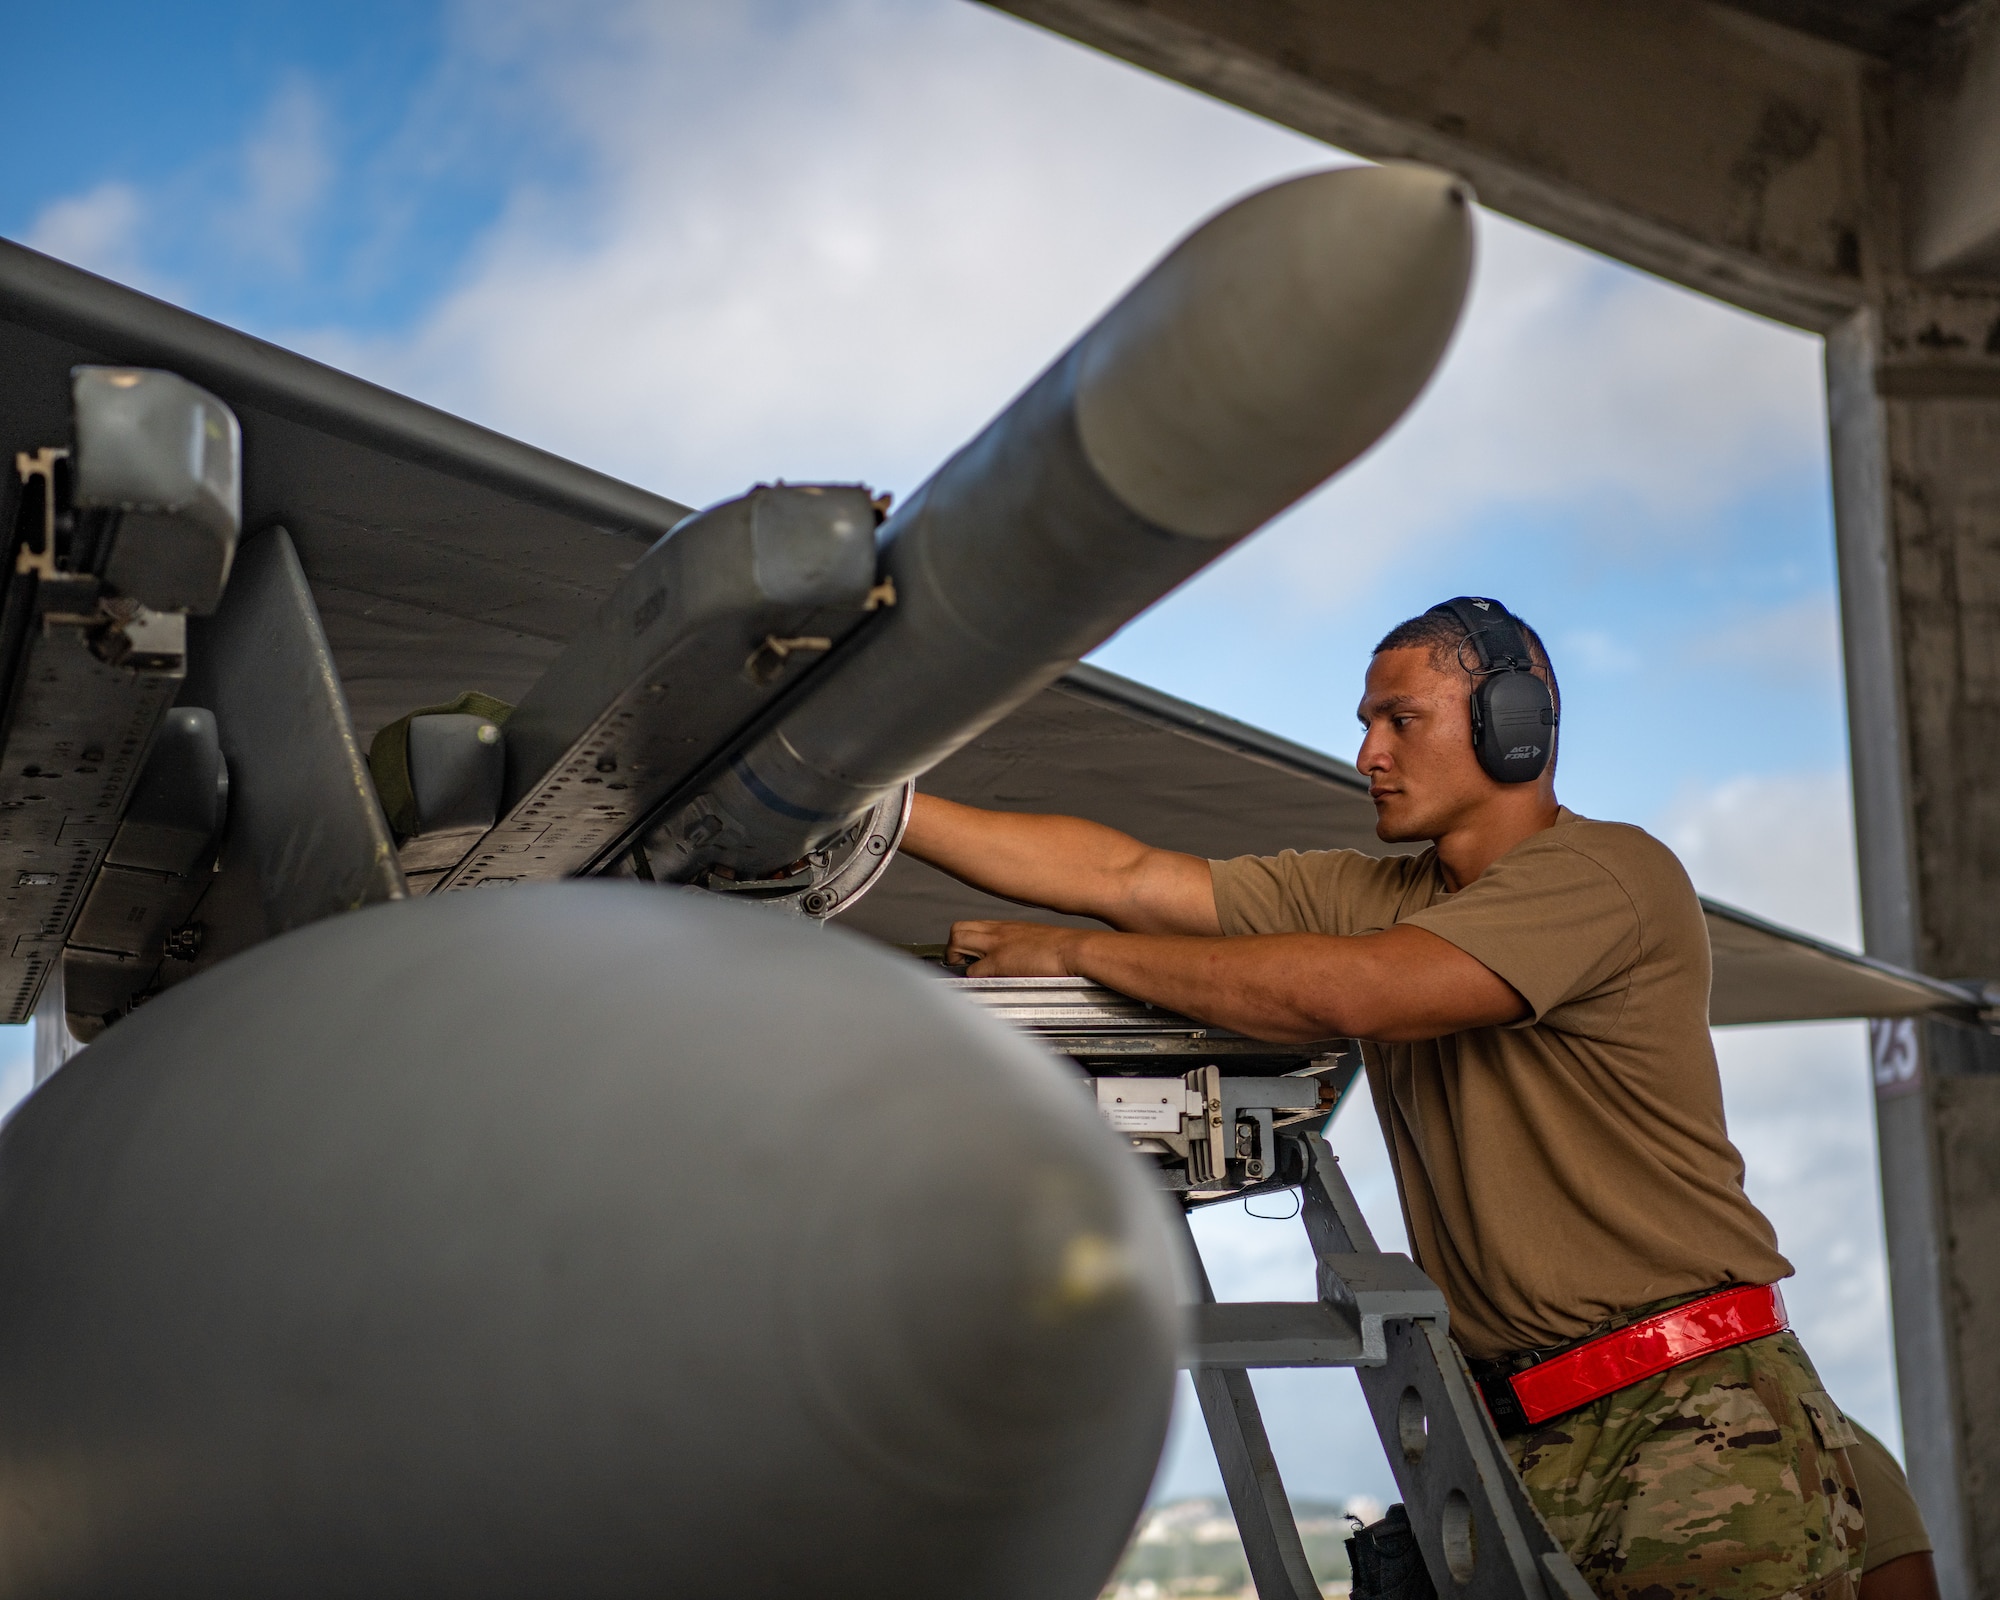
x=1721 y=1476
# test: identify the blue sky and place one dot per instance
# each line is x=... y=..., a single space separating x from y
x=698 y=246
x=303 y=124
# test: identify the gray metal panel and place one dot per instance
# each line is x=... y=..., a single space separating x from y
x=1571 y=115
x=1088 y=1022
x=1077 y=1006
x=128 y=913
x=304 y=822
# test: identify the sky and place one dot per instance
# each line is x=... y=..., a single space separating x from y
x=698 y=246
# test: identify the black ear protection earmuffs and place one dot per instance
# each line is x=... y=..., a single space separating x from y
x=1513 y=714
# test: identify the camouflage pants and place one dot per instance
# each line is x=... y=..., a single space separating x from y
x=1725 y=1476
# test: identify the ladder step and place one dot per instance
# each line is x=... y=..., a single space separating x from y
x=1273 y=1333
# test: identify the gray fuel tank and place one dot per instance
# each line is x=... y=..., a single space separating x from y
x=586 y=1240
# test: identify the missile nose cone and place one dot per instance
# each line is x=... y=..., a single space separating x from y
x=1275 y=344
x=1267 y=350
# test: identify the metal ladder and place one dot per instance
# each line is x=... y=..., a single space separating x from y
x=1376 y=1312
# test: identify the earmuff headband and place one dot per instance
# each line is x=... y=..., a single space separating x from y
x=1494 y=632
x=1513 y=712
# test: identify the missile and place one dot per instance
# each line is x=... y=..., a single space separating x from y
x=591 y=1239
x=1265 y=352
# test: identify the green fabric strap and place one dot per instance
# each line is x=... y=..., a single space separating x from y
x=389 y=756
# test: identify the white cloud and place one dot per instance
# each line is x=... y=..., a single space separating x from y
x=831 y=241
x=246 y=210
x=1576 y=389
x=285 y=172
x=97 y=230
x=1595 y=651
x=1790 y=644
x=841 y=266
x=1781 y=846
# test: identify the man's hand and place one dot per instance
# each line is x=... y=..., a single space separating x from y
x=1011 y=949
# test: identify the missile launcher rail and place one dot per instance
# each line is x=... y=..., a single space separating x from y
x=711 y=629
x=116 y=537
x=1075 y=1017
x=1250 y=1117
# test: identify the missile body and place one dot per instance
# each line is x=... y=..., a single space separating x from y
x=1265 y=352
x=522 y=1245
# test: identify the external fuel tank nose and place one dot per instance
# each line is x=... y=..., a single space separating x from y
x=521 y=1244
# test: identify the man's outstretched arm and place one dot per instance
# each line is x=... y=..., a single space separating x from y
x=1065 y=864
x=1398 y=985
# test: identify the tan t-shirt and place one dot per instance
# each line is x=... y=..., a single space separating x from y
x=1562 y=1170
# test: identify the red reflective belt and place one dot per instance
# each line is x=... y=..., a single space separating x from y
x=1647 y=1348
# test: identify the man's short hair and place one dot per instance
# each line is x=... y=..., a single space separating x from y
x=1444 y=636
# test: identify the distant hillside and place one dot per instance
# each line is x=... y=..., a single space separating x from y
x=1190 y=1547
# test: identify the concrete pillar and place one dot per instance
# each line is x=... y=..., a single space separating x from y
x=1914 y=386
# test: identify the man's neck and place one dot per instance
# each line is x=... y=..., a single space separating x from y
x=1465 y=852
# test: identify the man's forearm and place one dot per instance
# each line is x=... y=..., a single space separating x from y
x=1063 y=863
x=1396 y=986
x=1210 y=979
x=1034 y=860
